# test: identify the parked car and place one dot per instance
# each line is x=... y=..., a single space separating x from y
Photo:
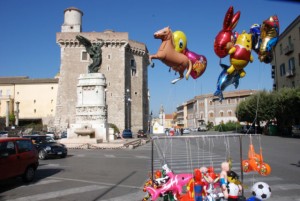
x=51 y=135
x=202 y=127
x=141 y=134
x=247 y=129
x=63 y=134
x=127 y=133
x=186 y=131
x=47 y=147
x=295 y=130
x=3 y=133
x=18 y=157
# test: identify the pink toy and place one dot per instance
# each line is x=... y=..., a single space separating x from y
x=174 y=184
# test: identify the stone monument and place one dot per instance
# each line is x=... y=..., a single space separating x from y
x=91 y=110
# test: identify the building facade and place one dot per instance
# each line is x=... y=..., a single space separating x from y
x=286 y=57
x=207 y=108
x=124 y=64
x=30 y=99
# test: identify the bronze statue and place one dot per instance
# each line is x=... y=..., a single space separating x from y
x=94 y=51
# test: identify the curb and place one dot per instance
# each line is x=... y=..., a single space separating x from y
x=132 y=144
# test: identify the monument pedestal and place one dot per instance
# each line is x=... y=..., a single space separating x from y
x=91 y=111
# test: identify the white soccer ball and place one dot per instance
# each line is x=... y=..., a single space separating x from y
x=261 y=190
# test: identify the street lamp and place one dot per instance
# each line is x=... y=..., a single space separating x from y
x=127 y=100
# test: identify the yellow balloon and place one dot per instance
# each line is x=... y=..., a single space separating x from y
x=180 y=41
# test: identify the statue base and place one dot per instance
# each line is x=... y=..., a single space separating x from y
x=91 y=116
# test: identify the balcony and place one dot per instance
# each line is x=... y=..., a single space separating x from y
x=288 y=49
x=290 y=73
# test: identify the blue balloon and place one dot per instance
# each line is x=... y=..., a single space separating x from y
x=225 y=80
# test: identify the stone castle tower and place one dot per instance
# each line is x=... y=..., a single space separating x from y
x=124 y=64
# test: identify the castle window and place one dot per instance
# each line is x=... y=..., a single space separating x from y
x=34 y=110
x=108 y=68
x=34 y=101
x=133 y=72
x=52 y=88
x=135 y=93
x=84 y=56
x=108 y=56
x=133 y=67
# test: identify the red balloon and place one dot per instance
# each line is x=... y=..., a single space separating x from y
x=199 y=63
x=225 y=38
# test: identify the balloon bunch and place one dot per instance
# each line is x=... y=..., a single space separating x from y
x=174 y=53
x=261 y=38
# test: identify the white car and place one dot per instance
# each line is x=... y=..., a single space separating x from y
x=186 y=131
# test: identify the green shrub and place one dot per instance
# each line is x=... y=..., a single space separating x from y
x=229 y=126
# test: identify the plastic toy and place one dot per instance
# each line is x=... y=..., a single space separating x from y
x=174 y=184
x=151 y=182
x=169 y=56
x=212 y=186
x=223 y=178
x=234 y=186
x=255 y=162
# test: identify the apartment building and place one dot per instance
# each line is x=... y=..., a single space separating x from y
x=286 y=57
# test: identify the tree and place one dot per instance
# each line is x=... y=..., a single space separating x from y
x=287 y=101
x=282 y=106
x=256 y=108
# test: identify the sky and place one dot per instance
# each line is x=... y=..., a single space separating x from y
x=28 y=38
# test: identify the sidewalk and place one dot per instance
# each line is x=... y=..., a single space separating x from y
x=130 y=143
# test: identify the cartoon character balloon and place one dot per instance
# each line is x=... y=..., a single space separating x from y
x=180 y=41
x=269 y=36
x=225 y=38
x=240 y=54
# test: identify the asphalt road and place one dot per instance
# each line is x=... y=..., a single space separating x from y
x=115 y=175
